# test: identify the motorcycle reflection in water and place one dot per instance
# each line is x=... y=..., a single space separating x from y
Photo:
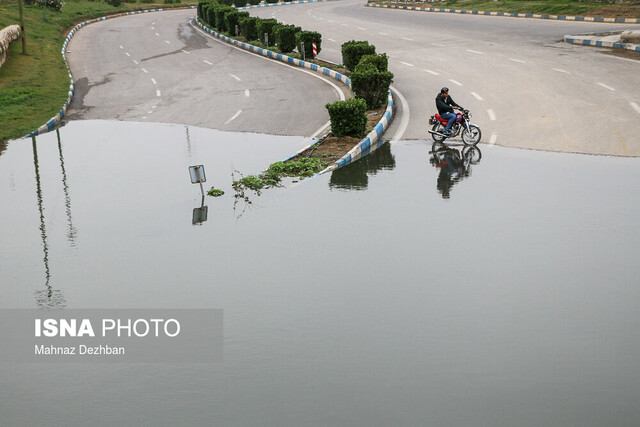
x=454 y=164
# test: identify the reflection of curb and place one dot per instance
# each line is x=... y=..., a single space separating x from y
x=512 y=15
x=587 y=40
x=55 y=120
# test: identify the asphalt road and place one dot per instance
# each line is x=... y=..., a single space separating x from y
x=525 y=87
x=157 y=67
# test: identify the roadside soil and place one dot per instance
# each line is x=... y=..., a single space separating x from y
x=332 y=148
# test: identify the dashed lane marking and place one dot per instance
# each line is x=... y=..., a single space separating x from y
x=158 y=93
x=492 y=115
x=606 y=86
x=235 y=77
x=635 y=106
x=235 y=116
x=432 y=72
x=561 y=71
x=438 y=44
x=478 y=97
x=407 y=64
x=475 y=51
x=517 y=60
x=145 y=71
x=207 y=62
x=407 y=39
x=246 y=93
x=455 y=82
x=492 y=140
x=185 y=51
x=154 y=81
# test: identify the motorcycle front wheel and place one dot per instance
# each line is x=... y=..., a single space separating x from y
x=472 y=135
x=438 y=128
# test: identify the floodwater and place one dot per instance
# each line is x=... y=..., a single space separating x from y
x=412 y=288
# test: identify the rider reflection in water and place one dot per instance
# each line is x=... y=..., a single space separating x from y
x=453 y=164
x=445 y=105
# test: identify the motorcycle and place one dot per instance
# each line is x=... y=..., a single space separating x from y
x=471 y=134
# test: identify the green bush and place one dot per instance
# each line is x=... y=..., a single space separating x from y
x=348 y=118
x=232 y=19
x=220 y=12
x=286 y=37
x=273 y=1
x=381 y=61
x=266 y=26
x=254 y=2
x=308 y=37
x=371 y=85
x=353 y=51
x=239 y=3
x=248 y=28
x=226 y=2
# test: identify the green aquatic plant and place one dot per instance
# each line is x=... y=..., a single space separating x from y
x=215 y=192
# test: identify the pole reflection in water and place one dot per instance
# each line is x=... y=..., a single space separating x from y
x=356 y=175
x=48 y=298
x=3 y=146
x=454 y=164
x=72 y=232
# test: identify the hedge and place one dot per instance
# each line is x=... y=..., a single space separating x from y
x=308 y=38
x=266 y=26
x=353 y=50
x=286 y=37
x=371 y=85
x=248 y=28
x=381 y=61
x=232 y=19
x=348 y=118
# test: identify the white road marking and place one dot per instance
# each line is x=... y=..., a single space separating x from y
x=185 y=51
x=382 y=34
x=136 y=62
x=157 y=34
x=492 y=115
x=127 y=53
x=207 y=62
x=455 y=82
x=432 y=72
x=341 y=94
x=154 y=81
x=517 y=60
x=235 y=116
x=406 y=113
x=158 y=93
x=363 y=29
x=246 y=93
x=635 y=107
x=492 y=141
x=475 y=51
x=235 y=77
x=407 y=64
x=561 y=71
x=478 y=97
x=438 y=44
x=345 y=25
x=121 y=47
x=331 y=40
x=167 y=41
x=407 y=38
x=145 y=71
x=605 y=86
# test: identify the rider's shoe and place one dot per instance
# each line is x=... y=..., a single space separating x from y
x=446 y=132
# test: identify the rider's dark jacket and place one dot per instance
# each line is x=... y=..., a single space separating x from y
x=444 y=105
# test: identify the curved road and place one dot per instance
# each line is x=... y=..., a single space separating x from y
x=157 y=67
x=524 y=85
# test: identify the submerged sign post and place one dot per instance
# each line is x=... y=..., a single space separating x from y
x=198 y=176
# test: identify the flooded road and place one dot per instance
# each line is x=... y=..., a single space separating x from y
x=411 y=288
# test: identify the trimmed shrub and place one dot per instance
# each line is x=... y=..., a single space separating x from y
x=353 y=51
x=239 y=3
x=286 y=37
x=308 y=37
x=254 y=2
x=210 y=13
x=225 y=2
x=248 y=28
x=273 y=1
x=348 y=118
x=266 y=26
x=371 y=85
x=381 y=61
x=232 y=19
x=221 y=12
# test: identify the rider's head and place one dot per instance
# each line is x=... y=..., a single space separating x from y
x=444 y=91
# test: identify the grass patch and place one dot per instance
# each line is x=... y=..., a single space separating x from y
x=34 y=87
x=546 y=7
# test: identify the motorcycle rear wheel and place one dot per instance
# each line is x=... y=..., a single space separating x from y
x=438 y=128
x=472 y=135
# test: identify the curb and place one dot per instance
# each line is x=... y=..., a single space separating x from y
x=55 y=120
x=513 y=15
x=586 y=40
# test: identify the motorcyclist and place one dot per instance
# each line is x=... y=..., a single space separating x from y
x=445 y=106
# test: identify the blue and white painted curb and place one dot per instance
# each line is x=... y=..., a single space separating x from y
x=512 y=15
x=370 y=143
x=588 y=40
x=55 y=120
